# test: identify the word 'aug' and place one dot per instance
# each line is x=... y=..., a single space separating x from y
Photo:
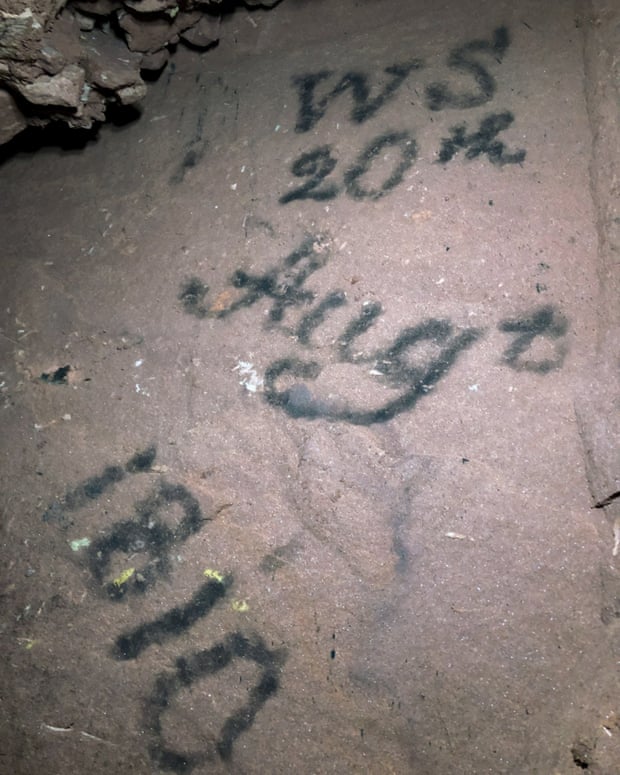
x=419 y=357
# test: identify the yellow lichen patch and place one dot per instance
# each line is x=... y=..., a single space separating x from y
x=124 y=576
x=79 y=543
x=210 y=573
x=240 y=605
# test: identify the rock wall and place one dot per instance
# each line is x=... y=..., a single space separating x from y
x=598 y=405
x=67 y=61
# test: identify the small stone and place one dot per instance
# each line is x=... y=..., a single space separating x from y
x=51 y=60
x=203 y=34
x=85 y=23
x=155 y=61
x=130 y=94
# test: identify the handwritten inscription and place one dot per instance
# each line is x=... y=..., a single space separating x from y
x=95 y=486
x=202 y=664
x=284 y=286
x=466 y=59
x=415 y=381
x=483 y=142
x=177 y=620
x=316 y=165
x=545 y=322
x=148 y=533
x=315 y=96
x=312 y=108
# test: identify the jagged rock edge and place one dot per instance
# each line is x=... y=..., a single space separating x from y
x=68 y=60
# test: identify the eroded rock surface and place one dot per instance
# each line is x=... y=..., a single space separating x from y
x=67 y=61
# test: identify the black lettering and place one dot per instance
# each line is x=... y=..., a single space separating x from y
x=312 y=109
x=192 y=295
x=482 y=142
x=194 y=151
x=465 y=59
x=419 y=381
x=141 y=461
x=544 y=321
x=358 y=326
x=408 y=149
x=298 y=401
x=282 y=284
x=197 y=667
x=316 y=165
x=93 y=487
x=173 y=623
x=147 y=534
x=316 y=316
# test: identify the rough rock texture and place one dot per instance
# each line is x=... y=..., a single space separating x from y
x=447 y=599
x=598 y=409
x=67 y=61
x=13 y=120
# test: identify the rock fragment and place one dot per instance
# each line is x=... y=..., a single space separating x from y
x=150 y=35
x=109 y=65
x=67 y=60
x=62 y=90
x=203 y=34
x=155 y=61
x=12 y=120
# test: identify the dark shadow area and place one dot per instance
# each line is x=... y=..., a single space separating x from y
x=58 y=136
x=55 y=135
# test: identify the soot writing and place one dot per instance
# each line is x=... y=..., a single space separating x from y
x=414 y=381
x=95 y=486
x=317 y=91
x=544 y=322
x=317 y=164
x=149 y=533
x=282 y=285
x=467 y=59
x=200 y=666
x=418 y=358
x=312 y=107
